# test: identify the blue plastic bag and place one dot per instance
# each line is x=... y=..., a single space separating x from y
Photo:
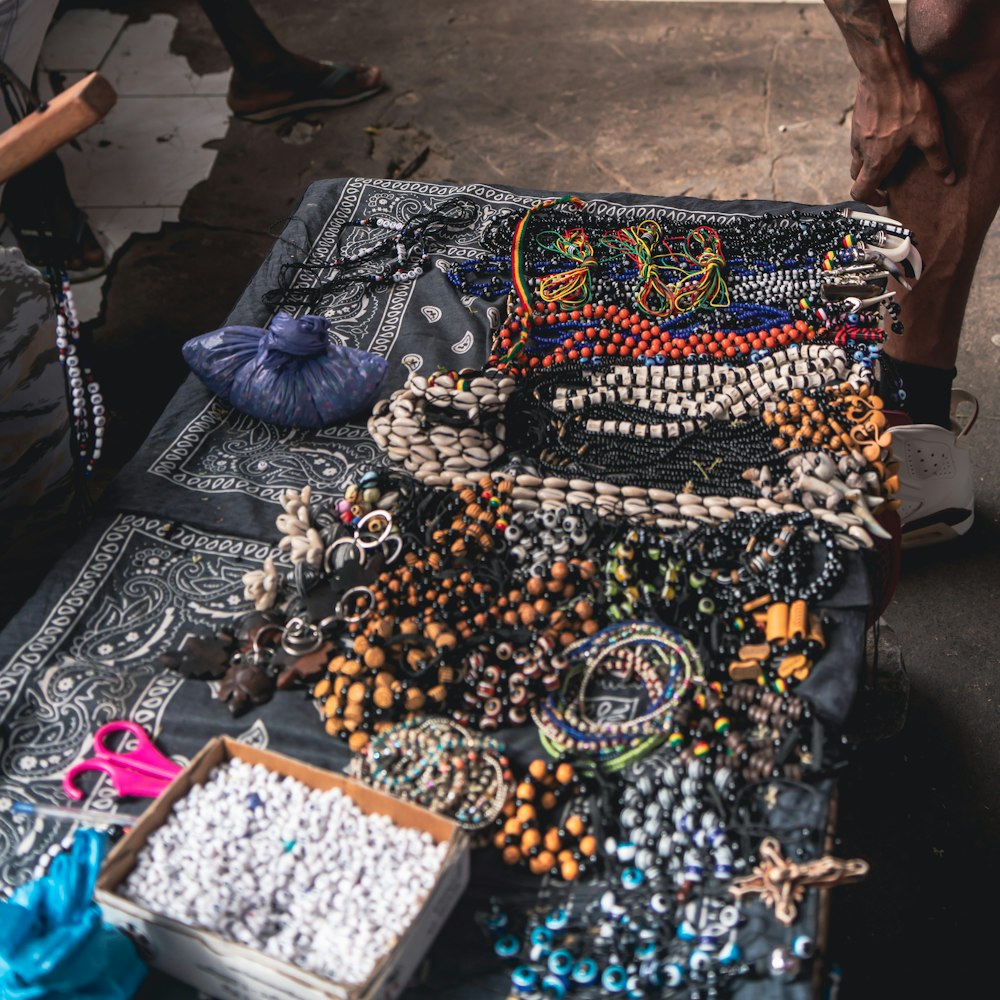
x=289 y=374
x=54 y=944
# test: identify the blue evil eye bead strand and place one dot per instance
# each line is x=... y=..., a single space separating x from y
x=524 y=979
x=507 y=946
x=614 y=979
x=541 y=944
x=560 y=962
x=554 y=987
x=585 y=972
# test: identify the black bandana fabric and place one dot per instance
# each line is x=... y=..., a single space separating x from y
x=195 y=509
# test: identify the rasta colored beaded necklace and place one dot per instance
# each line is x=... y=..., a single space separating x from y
x=662 y=661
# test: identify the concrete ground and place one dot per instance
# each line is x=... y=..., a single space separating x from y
x=716 y=100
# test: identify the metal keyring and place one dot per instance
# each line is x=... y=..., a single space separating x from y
x=300 y=637
x=398 y=542
x=361 y=527
x=328 y=566
x=257 y=650
x=347 y=595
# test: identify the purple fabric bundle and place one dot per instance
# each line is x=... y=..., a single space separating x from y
x=289 y=374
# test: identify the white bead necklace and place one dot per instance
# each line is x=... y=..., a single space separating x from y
x=86 y=401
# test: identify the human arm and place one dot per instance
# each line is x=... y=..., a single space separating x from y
x=894 y=108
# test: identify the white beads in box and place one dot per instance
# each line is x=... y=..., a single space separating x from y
x=300 y=874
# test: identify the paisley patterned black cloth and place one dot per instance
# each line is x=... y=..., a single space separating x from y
x=195 y=509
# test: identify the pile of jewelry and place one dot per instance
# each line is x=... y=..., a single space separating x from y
x=635 y=383
x=642 y=441
x=624 y=534
x=300 y=874
x=587 y=284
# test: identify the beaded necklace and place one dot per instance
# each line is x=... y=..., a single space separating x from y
x=690 y=295
x=547 y=824
x=662 y=661
x=86 y=401
x=441 y=766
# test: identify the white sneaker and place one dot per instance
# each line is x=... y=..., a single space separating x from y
x=935 y=475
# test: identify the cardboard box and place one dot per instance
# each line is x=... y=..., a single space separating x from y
x=231 y=971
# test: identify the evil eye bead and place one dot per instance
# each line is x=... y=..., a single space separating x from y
x=585 y=972
x=686 y=932
x=557 y=919
x=730 y=953
x=673 y=974
x=631 y=878
x=646 y=951
x=540 y=936
x=803 y=946
x=560 y=962
x=700 y=960
x=524 y=979
x=553 y=987
x=496 y=921
x=614 y=979
x=541 y=939
x=507 y=946
x=659 y=902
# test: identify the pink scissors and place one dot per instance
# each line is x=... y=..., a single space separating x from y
x=143 y=772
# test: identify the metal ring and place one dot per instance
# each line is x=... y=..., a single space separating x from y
x=255 y=645
x=300 y=637
x=328 y=566
x=385 y=531
x=397 y=539
x=354 y=592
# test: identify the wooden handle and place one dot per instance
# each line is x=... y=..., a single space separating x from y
x=67 y=115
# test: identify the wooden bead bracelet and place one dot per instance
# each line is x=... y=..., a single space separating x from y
x=546 y=825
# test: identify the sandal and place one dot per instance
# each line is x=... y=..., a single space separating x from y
x=343 y=85
x=50 y=229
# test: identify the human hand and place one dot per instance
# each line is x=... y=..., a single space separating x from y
x=890 y=117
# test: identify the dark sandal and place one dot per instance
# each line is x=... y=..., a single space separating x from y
x=43 y=248
x=50 y=230
x=322 y=95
